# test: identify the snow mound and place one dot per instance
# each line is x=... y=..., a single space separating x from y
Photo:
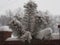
x=12 y=36
x=5 y=28
x=45 y=33
x=12 y=39
x=55 y=36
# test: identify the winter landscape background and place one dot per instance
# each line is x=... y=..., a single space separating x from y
x=19 y=13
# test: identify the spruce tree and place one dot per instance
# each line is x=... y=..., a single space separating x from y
x=29 y=17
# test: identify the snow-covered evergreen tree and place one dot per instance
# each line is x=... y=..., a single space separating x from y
x=29 y=17
x=32 y=22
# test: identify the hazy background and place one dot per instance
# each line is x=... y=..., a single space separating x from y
x=51 y=5
x=50 y=16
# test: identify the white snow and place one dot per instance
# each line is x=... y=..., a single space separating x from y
x=5 y=28
x=55 y=36
x=26 y=36
x=17 y=21
x=12 y=39
x=43 y=33
x=12 y=36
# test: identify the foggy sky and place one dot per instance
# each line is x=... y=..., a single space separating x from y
x=51 y=5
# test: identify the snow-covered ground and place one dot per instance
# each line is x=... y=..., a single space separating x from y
x=12 y=39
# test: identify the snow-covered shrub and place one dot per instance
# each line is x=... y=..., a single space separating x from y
x=54 y=36
x=26 y=36
x=44 y=34
x=5 y=28
x=16 y=27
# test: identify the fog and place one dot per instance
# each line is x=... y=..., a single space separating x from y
x=51 y=5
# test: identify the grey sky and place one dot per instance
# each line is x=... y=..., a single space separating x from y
x=51 y=5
